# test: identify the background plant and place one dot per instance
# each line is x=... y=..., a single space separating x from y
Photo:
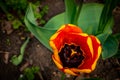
x=15 y=11
x=29 y=73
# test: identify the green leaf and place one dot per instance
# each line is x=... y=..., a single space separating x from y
x=35 y=69
x=106 y=14
x=17 y=60
x=55 y=22
x=88 y=19
x=70 y=11
x=41 y=33
x=107 y=31
x=78 y=10
x=110 y=47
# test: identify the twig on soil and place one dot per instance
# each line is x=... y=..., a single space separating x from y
x=24 y=66
x=5 y=56
x=40 y=75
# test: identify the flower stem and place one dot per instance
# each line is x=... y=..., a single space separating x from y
x=63 y=76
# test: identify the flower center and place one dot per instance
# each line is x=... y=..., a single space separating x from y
x=71 y=56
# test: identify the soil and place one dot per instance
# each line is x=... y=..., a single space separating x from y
x=38 y=55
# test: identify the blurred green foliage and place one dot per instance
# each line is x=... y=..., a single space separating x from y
x=39 y=12
x=15 y=11
x=29 y=73
x=17 y=4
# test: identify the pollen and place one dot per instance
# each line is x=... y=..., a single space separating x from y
x=73 y=52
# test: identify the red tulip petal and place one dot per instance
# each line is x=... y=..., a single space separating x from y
x=69 y=71
x=90 y=46
x=91 y=62
x=81 y=70
x=97 y=50
x=81 y=40
x=70 y=28
x=58 y=64
x=53 y=43
x=58 y=38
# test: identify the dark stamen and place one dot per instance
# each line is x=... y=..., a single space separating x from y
x=71 y=59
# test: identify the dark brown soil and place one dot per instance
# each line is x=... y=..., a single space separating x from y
x=38 y=55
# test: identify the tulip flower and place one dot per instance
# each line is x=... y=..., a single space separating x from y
x=75 y=52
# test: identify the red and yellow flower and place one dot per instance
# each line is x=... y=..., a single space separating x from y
x=75 y=52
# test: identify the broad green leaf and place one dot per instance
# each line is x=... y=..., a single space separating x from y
x=110 y=47
x=17 y=60
x=102 y=37
x=55 y=22
x=88 y=19
x=107 y=31
x=89 y=30
x=70 y=11
x=42 y=34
